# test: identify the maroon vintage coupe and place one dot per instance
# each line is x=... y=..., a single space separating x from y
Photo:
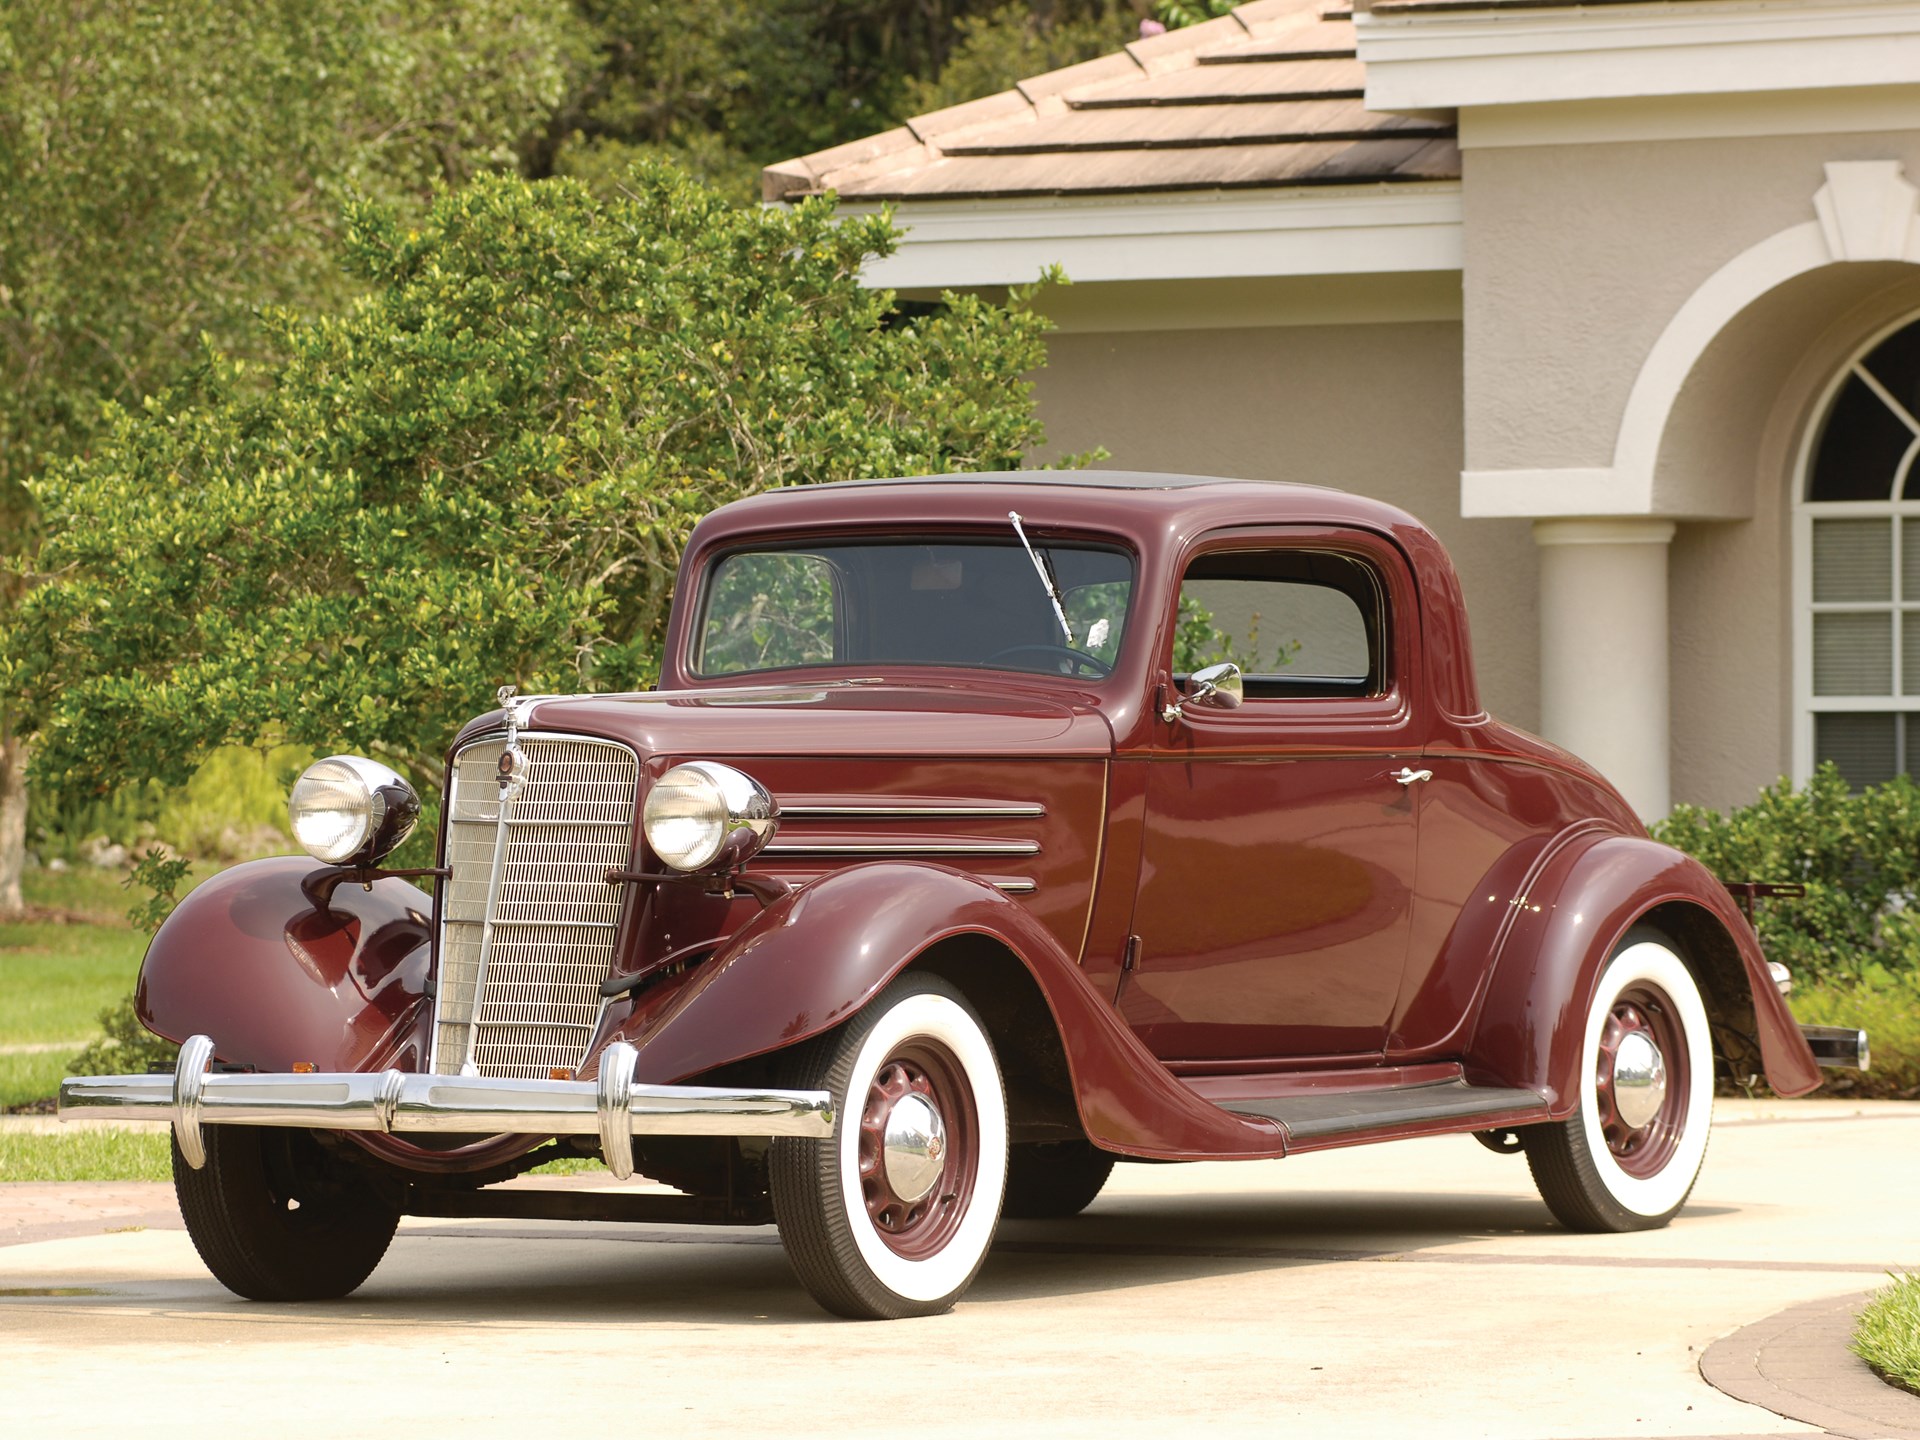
x=985 y=830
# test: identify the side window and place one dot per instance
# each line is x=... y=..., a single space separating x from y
x=766 y=609
x=1298 y=623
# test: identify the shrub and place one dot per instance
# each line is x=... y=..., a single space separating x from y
x=1857 y=854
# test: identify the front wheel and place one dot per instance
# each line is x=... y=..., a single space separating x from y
x=1628 y=1156
x=892 y=1215
x=275 y=1217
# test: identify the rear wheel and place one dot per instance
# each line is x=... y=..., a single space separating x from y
x=275 y=1217
x=1054 y=1179
x=1629 y=1155
x=893 y=1214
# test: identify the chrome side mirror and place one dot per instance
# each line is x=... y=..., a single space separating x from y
x=1218 y=687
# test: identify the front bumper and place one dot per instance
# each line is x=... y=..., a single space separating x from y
x=398 y=1103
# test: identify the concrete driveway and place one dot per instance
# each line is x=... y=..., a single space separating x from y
x=1412 y=1290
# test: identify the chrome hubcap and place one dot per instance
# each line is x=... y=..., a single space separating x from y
x=1639 y=1079
x=914 y=1148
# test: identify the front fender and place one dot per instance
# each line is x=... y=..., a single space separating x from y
x=816 y=956
x=1578 y=909
x=249 y=960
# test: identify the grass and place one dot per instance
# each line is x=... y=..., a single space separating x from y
x=56 y=976
x=90 y=1154
x=98 y=1154
x=1887 y=1335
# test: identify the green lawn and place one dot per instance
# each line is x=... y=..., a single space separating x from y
x=86 y=1155
x=56 y=977
x=141 y=1155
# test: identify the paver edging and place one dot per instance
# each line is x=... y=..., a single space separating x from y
x=1798 y=1364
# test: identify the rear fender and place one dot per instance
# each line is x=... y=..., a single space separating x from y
x=816 y=956
x=249 y=960
x=1579 y=909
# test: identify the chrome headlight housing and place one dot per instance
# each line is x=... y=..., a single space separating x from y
x=348 y=810
x=707 y=816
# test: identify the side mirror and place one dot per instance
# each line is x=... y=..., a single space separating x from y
x=1218 y=687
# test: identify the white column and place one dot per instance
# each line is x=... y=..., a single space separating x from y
x=1603 y=650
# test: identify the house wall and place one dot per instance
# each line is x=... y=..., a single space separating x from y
x=1368 y=407
x=1577 y=257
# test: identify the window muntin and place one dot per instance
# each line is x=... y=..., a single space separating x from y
x=1859 y=534
x=1299 y=623
x=972 y=603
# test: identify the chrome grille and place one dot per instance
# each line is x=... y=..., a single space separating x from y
x=525 y=1002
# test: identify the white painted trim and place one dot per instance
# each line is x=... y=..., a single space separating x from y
x=1873 y=110
x=1429 y=60
x=1345 y=230
x=1492 y=494
x=1859 y=216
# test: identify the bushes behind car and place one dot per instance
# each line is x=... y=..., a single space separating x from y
x=1853 y=942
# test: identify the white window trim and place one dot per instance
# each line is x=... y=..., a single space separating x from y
x=1804 y=512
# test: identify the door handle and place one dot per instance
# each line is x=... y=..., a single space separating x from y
x=1408 y=776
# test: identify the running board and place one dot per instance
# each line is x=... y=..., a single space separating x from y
x=1445 y=1105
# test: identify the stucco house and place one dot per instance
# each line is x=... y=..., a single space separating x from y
x=1622 y=298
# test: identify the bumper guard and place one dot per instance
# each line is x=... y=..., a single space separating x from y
x=396 y=1102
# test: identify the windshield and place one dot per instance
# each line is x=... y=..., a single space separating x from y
x=972 y=603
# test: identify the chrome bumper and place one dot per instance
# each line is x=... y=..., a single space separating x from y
x=1838 y=1047
x=395 y=1102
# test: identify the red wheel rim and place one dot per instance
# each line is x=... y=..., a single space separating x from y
x=916 y=1229
x=1643 y=1151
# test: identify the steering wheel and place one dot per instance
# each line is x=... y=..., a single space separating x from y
x=1075 y=660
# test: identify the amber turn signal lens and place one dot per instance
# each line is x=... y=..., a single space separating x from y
x=560 y=1072
x=305 y=1067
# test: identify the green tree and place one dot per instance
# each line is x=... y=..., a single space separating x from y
x=725 y=87
x=996 y=50
x=484 y=471
x=167 y=168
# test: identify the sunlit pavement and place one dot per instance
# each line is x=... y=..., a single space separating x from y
x=1410 y=1290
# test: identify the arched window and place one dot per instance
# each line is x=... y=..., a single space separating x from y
x=1857 y=571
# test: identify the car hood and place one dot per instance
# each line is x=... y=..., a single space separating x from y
x=837 y=717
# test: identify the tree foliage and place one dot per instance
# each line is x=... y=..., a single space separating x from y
x=168 y=168
x=728 y=86
x=481 y=472
x=165 y=169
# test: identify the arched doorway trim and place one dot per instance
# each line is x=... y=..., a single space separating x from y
x=1865 y=211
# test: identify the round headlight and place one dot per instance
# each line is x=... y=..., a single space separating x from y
x=706 y=816
x=347 y=810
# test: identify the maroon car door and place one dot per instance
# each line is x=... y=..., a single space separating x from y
x=1277 y=873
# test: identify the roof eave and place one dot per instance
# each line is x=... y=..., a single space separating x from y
x=1362 y=229
x=1440 y=54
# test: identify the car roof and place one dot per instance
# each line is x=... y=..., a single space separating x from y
x=1077 y=497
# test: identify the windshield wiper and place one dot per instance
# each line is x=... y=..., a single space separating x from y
x=1044 y=570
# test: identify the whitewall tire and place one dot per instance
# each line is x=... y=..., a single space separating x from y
x=1629 y=1155
x=894 y=1214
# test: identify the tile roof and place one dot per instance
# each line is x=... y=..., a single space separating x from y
x=1268 y=95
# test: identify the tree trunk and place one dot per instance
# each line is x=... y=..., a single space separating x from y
x=13 y=819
